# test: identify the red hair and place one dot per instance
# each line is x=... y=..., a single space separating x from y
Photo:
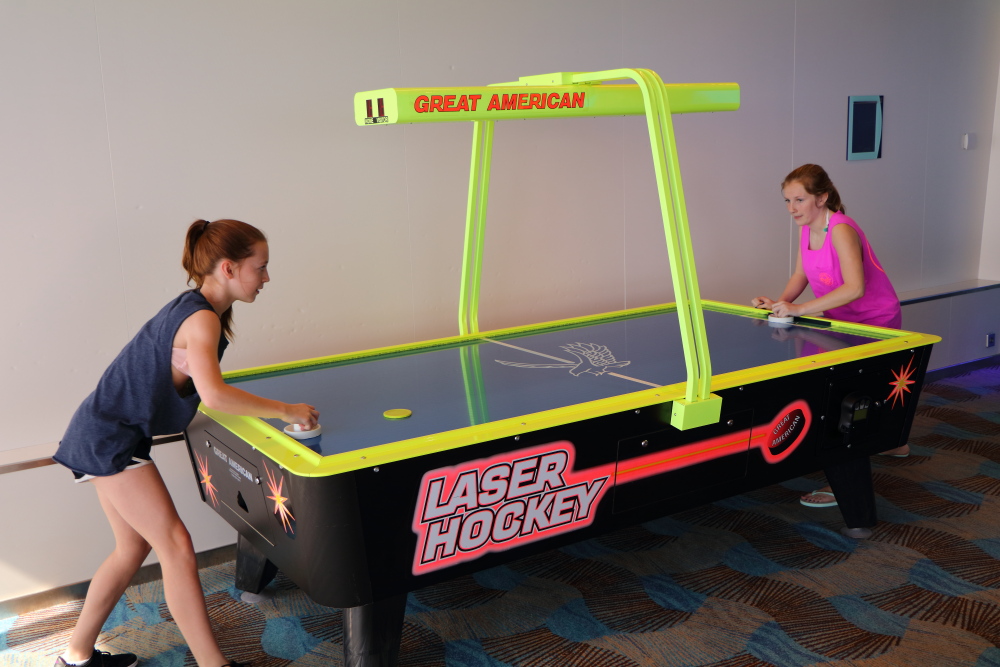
x=208 y=243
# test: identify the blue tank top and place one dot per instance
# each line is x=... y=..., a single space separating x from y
x=135 y=399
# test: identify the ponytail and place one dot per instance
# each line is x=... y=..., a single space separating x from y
x=208 y=243
x=194 y=232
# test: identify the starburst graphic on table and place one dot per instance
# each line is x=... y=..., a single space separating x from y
x=901 y=385
x=275 y=483
x=206 y=479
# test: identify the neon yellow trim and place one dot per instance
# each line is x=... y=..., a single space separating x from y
x=465 y=324
x=585 y=97
x=909 y=341
x=475 y=227
x=283 y=449
x=670 y=191
x=276 y=445
x=691 y=414
x=892 y=340
x=475 y=393
x=297 y=459
x=685 y=280
x=567 y=94
x=869 y=330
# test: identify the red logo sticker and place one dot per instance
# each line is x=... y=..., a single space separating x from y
x=515 y=498
x=787 y=431
x=466 y=511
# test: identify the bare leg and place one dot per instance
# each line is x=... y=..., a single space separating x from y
x=108 y=585
x=139 y=500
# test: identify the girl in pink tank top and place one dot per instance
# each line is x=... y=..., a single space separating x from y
x=836 y=260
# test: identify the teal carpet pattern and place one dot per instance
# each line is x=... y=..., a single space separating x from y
x=753 y=581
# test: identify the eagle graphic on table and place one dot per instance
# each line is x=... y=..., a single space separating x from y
x=591 y=358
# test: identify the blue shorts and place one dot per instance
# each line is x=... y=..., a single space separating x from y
x=97 y=445
x=140 y=457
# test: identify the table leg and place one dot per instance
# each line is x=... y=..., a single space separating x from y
x=253 y=570
x=851 y=482
x=372 y=633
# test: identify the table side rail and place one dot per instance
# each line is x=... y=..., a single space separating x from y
x=299 y=460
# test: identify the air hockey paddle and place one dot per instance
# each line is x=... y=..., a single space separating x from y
x=780 y=322
x=295 y=430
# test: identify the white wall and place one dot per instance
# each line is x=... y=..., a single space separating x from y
x=989 y=257
x=55 y=534
x=125 y=121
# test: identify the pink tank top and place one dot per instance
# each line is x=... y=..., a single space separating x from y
x=879 y=305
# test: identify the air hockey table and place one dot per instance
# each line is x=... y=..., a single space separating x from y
x=445 y=457
x=521 y=441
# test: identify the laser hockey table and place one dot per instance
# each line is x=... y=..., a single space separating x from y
x=524 y=439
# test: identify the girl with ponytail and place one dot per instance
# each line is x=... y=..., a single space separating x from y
x=153 y=387
x=837 y=261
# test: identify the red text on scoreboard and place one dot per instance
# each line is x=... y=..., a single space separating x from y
x=499 y=102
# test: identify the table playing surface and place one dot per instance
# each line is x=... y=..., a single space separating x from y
x=522 y=374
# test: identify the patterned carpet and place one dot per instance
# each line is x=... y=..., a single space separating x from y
x=753 y=581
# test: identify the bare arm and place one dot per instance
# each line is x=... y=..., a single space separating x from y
x=796 y=283
x=200 y=333
x=848 y=246
x=793 y=288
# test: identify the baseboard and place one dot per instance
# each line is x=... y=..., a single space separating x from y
x=78 y=591
x=961 y=369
